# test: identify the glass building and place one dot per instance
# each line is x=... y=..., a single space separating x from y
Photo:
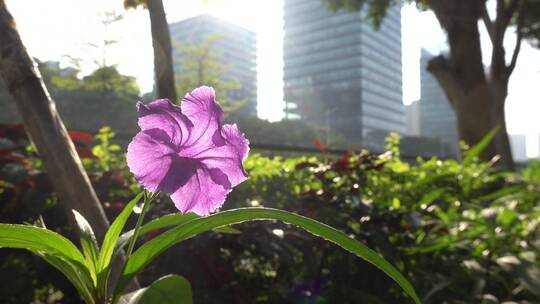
x=235 y=46
x=342 y=75
x=437 y=118
x=518 y=145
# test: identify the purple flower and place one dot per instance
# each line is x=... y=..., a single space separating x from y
x=186 y=152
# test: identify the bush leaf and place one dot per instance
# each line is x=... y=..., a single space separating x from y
x=479 y=147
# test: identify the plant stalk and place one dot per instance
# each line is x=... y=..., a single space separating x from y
x=148 y=198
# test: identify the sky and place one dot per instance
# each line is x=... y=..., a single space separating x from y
x=69 y=26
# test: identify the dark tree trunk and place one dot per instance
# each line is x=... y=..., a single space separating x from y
x=45 y=128
x=478 y=101
x=161 y=41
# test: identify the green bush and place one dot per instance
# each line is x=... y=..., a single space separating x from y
x=461 y=231
x=464 y=232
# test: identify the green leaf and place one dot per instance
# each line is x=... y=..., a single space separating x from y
x=82 y=283
x=55 y=249
x=151 y=249
x=114 y=231
x=502 y=193
x=479 y=147
x=109 y=244
x=431 y=196
x=88 y=244
x=171 y=289
x=507 y=217
x=37 y=239
x=167 y=221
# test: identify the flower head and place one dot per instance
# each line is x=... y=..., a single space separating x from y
x=186 y=152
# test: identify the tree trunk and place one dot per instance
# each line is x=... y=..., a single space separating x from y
x=161 y=41
x=45 y=128
x=478 y=102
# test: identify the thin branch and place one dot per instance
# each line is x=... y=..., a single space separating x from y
x=519 y=37
x=498 y=63
x=488 y=23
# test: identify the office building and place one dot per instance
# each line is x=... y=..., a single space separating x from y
x=235 y=47
x=518 y=145
x=342 y=75
x=412 y=119
x=437 y=118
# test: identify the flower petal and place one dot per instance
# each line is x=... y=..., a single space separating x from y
x=203 y=193
x=229 y=156
x=148 y=159
x=162 y=114
x=204 y=113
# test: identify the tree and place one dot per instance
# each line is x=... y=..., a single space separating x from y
x=201 y=65
x=476 y=95
x=108 y=81
x=161 y=41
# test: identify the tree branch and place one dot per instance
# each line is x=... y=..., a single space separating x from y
x=488 y=23
x=519 y=37
x=440 y=68
x=498 y=67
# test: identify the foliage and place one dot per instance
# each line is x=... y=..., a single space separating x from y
x=376 y=11
x=451 y=227
x=90 y=269
x=201 y=65
x=285 y=132
x=26 y=195
x=108 y=80
x=104 y=97
x=461 y=233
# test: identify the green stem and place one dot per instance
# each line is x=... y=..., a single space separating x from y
x=148 y=198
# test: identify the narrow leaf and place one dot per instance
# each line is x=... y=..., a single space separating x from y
x=114 y=231
x=88 y=243
x=479 y=147
x=109 y=245
x=176 y=219
x=167 y=221
x=82 y=283
x=151 y=249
